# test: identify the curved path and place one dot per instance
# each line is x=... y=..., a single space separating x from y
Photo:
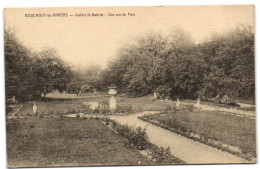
x=234 y=111
x=188 y=150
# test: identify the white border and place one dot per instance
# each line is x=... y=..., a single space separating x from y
x=86 y=3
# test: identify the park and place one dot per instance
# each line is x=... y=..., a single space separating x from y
x=161 y=98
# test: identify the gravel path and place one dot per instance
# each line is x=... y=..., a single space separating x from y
x=234 y=111
x=190 y=151
x=229 y=110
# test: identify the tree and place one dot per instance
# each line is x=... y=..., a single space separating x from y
x=31 y=74
x=17 y=67
x=230 y=58
x=154 y=61
x=50 y=72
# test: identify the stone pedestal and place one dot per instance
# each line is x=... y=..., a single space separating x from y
x=112 y=104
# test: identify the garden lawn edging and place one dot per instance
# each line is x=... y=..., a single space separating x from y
x=214 y=143
x=138 y=138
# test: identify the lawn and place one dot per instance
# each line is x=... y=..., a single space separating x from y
x=138 y=104
x=45 y=142
x=53 y=107
x=232 y=130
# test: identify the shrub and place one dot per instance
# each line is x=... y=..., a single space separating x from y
x=101 y=109
x=169 y=124
x=163 y=156
x=57 y=112
x=170 y=109
x=77 y=115
x=41 y=116
x=189 y=107
x=227 y=100
x=136 y=136
x=104 y=109
x=140 y=138
x=124 y=109
x=71 y=111
x=8 y=109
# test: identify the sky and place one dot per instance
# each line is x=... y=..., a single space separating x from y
x=94 y=40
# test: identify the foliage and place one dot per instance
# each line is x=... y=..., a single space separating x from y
x=32 y=74
x=50 y=72
x=85 y=80
x=230 y=58
x=189 y=107
x=126 y=109
x=101 y=109
x=174 y=66
x=17 y=67
x=162 y=155
x=136 y=136
x=220 y=68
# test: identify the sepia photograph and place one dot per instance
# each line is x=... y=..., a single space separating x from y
x=130 y=86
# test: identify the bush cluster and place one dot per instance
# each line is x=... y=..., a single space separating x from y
x=104 y=109
x=162 y=155
x=136 y=136
x=173 y=123
x=124 y=109
x=189 y=107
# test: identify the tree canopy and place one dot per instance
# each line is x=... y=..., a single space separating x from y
x=173 y=64
x=30 y=75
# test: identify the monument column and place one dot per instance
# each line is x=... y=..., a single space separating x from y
x=112 y=101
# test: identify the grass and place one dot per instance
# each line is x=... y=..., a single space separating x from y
x=138 y=104
x=45 y=142
x=52 y=107
x=232 y=130
x=138 y=137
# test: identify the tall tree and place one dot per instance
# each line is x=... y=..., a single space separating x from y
x=17 y=67
x=50 y=72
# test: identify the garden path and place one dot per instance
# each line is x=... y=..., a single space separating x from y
x=234 y=111
x=188 y=150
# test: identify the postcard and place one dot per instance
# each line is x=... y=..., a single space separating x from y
x=130 y=86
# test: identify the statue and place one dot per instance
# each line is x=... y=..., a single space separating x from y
x=35 y=109
x=198 y=103
x=178 y=103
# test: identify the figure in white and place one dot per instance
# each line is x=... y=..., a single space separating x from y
x=198 y=103
x=35 y=108
x=178 y=103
